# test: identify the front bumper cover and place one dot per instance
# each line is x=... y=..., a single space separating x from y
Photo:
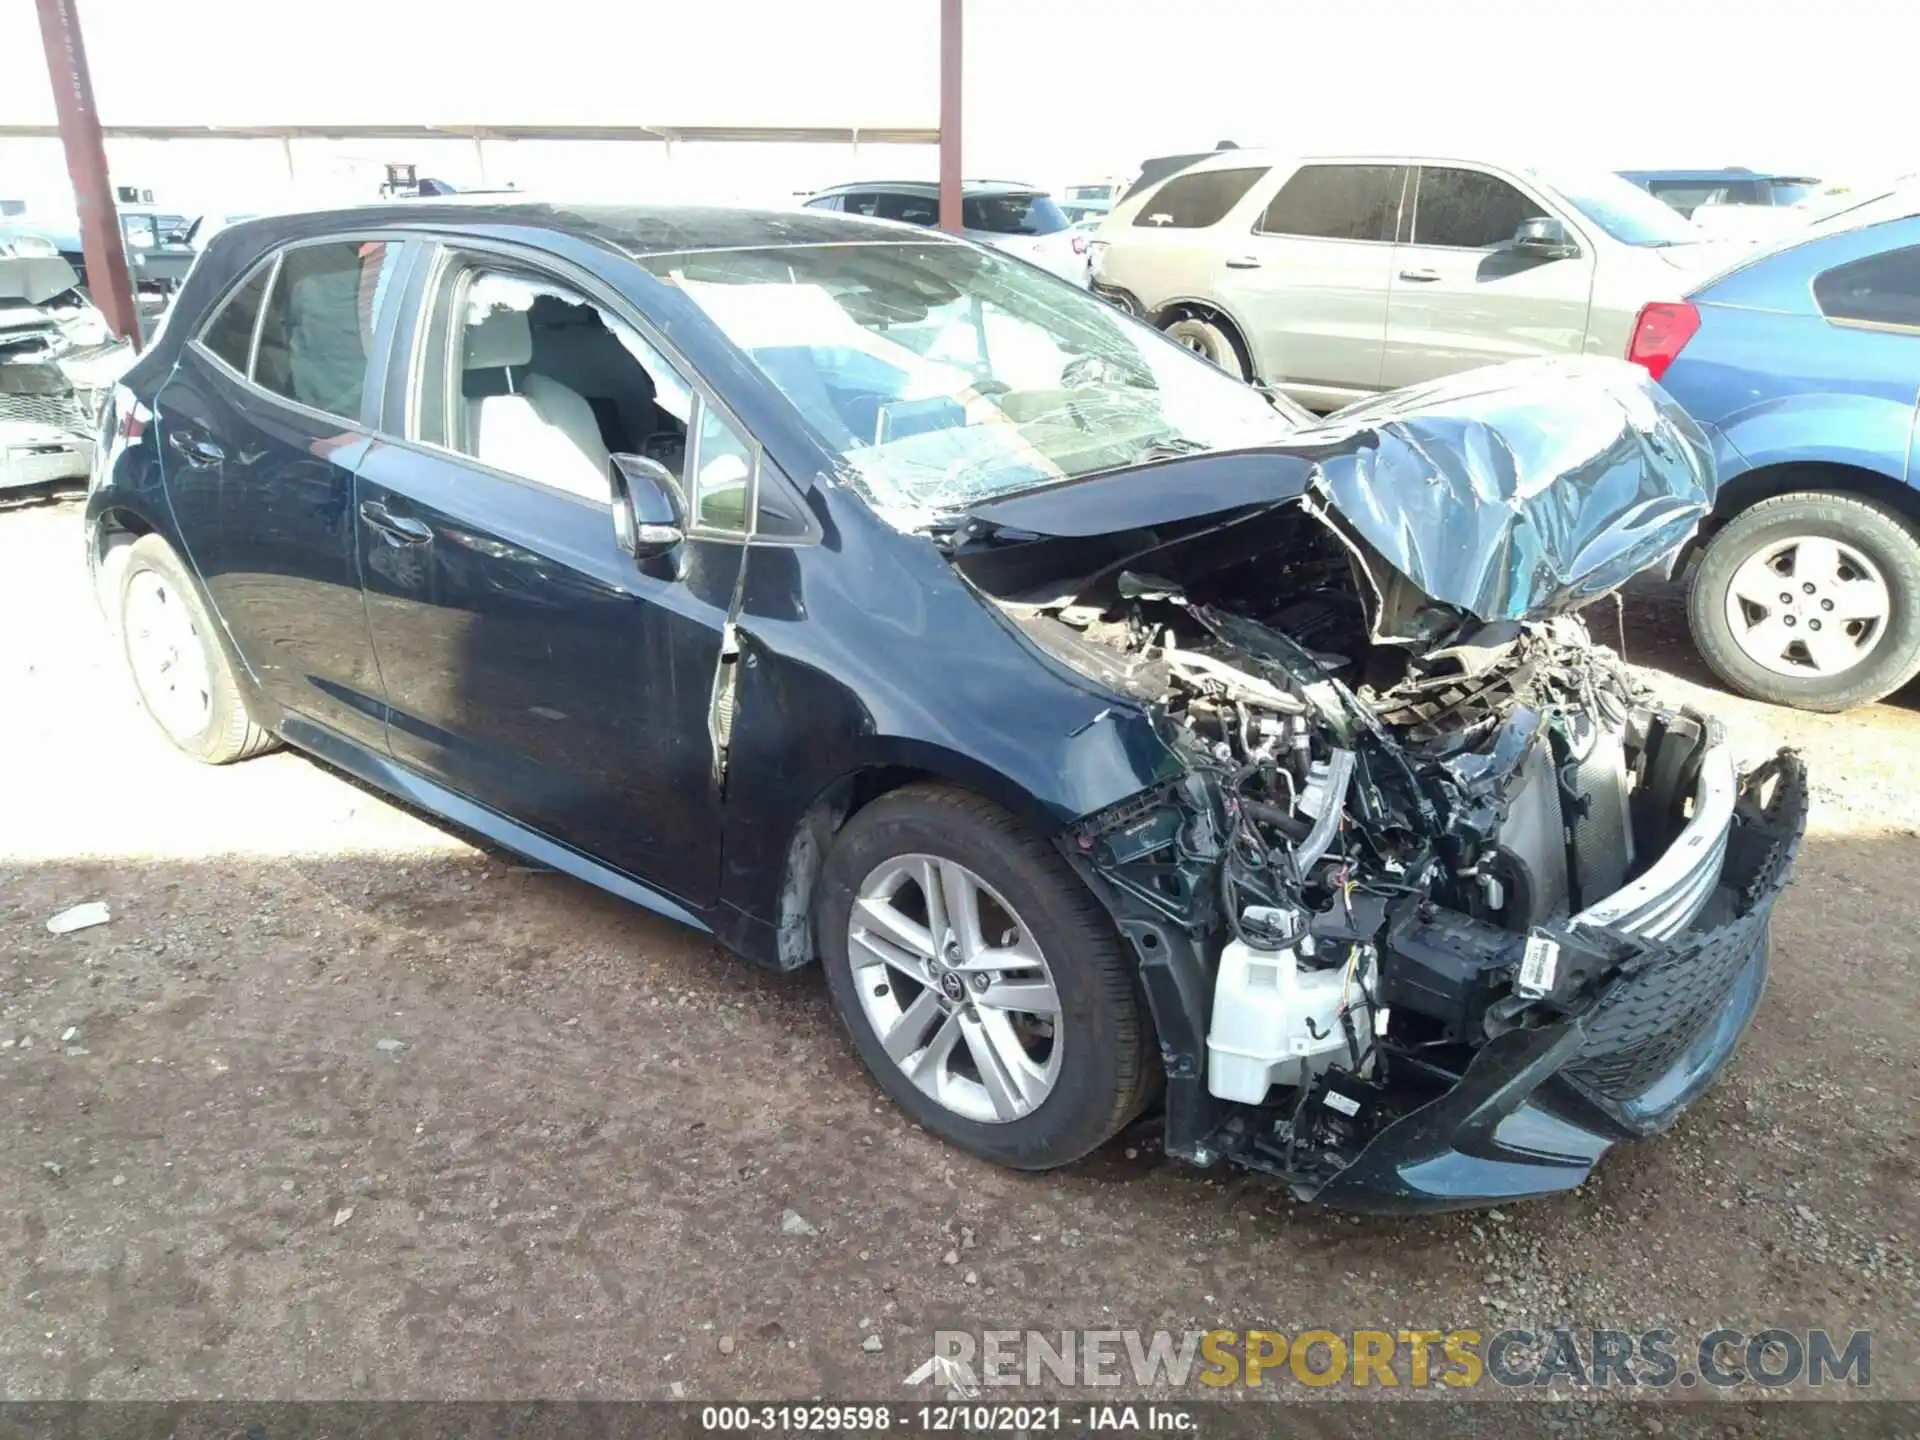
x=1537 y=1108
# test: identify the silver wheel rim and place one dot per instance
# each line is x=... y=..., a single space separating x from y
x=168 y=658
x=1808 y=606
x=1199 y=345
x=955 y=988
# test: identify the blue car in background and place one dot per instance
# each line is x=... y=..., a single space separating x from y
x=1803 y=366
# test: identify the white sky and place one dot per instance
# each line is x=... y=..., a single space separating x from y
x=1056 y=89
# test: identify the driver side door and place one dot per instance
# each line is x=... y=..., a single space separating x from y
x=1462 y=296
x=530 y=663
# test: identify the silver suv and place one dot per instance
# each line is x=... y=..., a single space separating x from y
x=1332 y=278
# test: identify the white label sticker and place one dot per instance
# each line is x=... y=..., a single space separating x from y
x=1538 y=965
x=1346 y=1106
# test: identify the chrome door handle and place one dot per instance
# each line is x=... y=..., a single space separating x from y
x=195 y=452
x=400 y=529
x=1243 y=262
x=1422 y=275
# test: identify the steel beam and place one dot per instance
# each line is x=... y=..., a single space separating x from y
x=108 y=281
x=950 y=182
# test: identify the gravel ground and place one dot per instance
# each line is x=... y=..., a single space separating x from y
x=338 y=1105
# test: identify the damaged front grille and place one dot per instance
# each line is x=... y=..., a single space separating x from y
x=1644 y=1022
x=59 y=412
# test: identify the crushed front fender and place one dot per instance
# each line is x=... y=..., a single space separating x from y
x=1537 y=1108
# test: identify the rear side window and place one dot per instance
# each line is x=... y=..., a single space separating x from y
x=229 y=335
x=1337 y=202
x=317 y=331
x=1879 y=290
x=1467 y=209
x=1687 y=196
x=1011 y=214
x=913 y=209
x=1193 y=202
x=863 y=202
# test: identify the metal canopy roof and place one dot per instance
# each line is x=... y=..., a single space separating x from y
x=804 y=134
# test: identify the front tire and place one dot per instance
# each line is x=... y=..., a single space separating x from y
x=1810 y=600
x=1210 y=342
x=980 y=980
x=177 y=663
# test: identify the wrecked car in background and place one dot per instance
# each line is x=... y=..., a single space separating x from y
x=1114 y=735
x=56 y=355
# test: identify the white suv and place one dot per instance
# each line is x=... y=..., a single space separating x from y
x=1331 y=278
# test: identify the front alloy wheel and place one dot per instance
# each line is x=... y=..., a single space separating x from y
x=956 y=988
x=981 y=981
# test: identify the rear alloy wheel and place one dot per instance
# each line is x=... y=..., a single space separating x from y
x=1811 y=600
x=177 y=663
x=1210 y=342
x=980 y=980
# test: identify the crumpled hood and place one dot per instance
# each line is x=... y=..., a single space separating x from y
x=35 y=279
x=1521 y=490
x=1514 y=492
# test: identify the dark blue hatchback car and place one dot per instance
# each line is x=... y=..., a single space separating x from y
x=857 y=594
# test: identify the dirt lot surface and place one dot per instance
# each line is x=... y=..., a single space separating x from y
x=338 y=1105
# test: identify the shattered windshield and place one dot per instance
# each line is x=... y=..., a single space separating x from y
x=944 y=375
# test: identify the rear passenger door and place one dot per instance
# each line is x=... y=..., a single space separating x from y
x=1170 y=249
x=531 y=665
x=263 y=421
x=1310 y=283
x=1463 y=296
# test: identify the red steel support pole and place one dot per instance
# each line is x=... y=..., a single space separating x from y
x=949 y=114
x=100 y=239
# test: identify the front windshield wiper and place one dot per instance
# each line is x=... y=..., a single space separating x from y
x=1171 y=448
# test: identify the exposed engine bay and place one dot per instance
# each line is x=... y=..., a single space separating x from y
x=1400 y=831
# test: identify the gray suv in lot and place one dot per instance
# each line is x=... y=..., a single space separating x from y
x=1331 y=278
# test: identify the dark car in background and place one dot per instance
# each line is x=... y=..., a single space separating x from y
x=861 y=595
x=159 y=246
x=1687 y=190
x=1019 y=219
x=1802 y=364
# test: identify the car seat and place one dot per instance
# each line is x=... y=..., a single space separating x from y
x=539 y=428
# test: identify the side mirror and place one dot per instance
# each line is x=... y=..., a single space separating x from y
x=1544 y=237
x=649 y=509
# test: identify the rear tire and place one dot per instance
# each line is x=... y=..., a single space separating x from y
x=1752 y=611
x=1209 y=341
x=176 y=661
x=1095 y=1052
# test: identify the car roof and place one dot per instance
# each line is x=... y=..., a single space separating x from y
x=636 y=230
x=929 y=187
x=1244 y=158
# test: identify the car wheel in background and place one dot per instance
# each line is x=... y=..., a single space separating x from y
x=1810 y=600
x=980 y=980
x=1210 y=342
x=177 y=663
